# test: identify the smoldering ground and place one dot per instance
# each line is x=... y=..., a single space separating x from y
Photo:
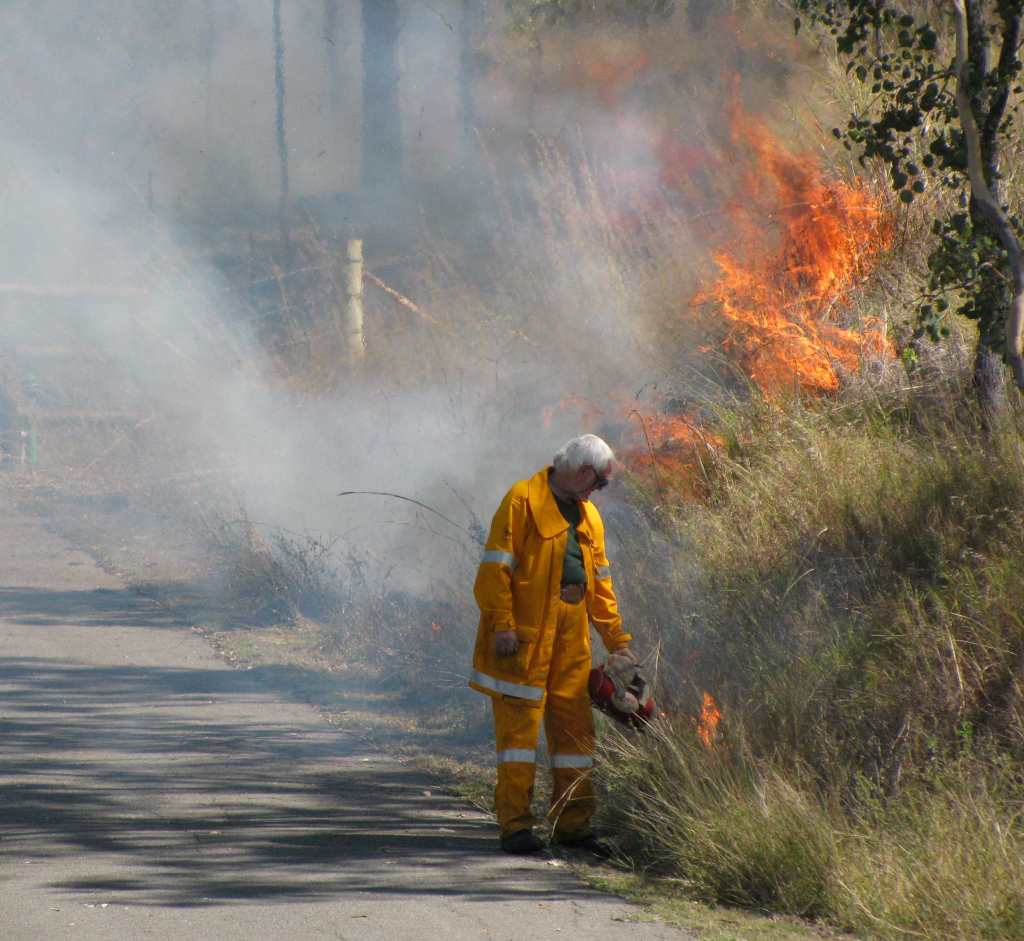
x=145 y=164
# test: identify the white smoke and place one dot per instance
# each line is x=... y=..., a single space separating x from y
x=137 y=131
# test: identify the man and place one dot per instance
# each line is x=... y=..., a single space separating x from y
x=543 y=580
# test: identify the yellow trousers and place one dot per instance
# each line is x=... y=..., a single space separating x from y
x=568 y=727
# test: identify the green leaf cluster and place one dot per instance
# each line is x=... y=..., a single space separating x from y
x=912 y=125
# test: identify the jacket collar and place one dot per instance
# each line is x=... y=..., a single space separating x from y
x=546 y=515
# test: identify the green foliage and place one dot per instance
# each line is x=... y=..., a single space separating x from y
x=968 y=258
x=912 y=126
x=533 y=15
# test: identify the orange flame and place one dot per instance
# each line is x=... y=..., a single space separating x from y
x=707 y=724
x=669 y=450
x=801 y=243
x=777 y=302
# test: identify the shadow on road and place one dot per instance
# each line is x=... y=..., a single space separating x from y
x=100 y=607
x=195 y=787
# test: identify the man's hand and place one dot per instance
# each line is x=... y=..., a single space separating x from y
x=505 y=643
x=621 y=661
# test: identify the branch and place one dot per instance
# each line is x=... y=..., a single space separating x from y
x=397 y=496
x=986 y=202
x=400 y=298
x=1005 y=71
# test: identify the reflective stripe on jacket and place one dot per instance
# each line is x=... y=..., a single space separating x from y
x=518 y=584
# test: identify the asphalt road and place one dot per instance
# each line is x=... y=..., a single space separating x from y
x=147 y=790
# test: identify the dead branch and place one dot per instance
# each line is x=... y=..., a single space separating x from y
x=400 y=298
x=397 y=496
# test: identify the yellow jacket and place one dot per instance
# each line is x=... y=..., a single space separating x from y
x=518 y=584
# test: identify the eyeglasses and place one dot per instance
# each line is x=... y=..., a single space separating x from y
x=600 y=482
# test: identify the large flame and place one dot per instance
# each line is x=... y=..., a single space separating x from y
x=800 y=242
x=803 y=243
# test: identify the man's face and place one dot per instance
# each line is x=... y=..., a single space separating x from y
x=588 y=479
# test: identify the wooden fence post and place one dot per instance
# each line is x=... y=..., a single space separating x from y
x=353 y=324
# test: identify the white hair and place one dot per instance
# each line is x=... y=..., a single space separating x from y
x=586 y=449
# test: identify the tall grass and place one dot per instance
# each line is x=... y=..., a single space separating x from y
x=946 y=861
x=942 y=860
x=732 y=828
x=856 y=594
x=856 y=610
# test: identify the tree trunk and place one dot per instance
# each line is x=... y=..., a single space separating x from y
x=282 y=138
x=467 y=72
x=331 y=53
x=987 y=204
x=382 y=117
x=987 y=378
x=208 y=54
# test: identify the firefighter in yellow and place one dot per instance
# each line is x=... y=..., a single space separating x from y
x=543 y=580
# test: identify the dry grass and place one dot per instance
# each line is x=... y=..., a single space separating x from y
x=848 y=593
x=856 y=575
x=734 y=829
x=276 y=577
x=944 y=862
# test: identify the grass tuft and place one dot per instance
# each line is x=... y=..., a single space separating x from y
x=735 y=829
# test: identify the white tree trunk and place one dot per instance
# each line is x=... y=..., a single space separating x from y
x=989 y=205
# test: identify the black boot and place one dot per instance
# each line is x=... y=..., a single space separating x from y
x=522 y=842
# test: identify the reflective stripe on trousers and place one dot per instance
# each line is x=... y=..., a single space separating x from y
x=528 y=755
x=571 y=761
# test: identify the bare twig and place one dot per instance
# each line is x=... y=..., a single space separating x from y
x=398 y=496
x=400 y=298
